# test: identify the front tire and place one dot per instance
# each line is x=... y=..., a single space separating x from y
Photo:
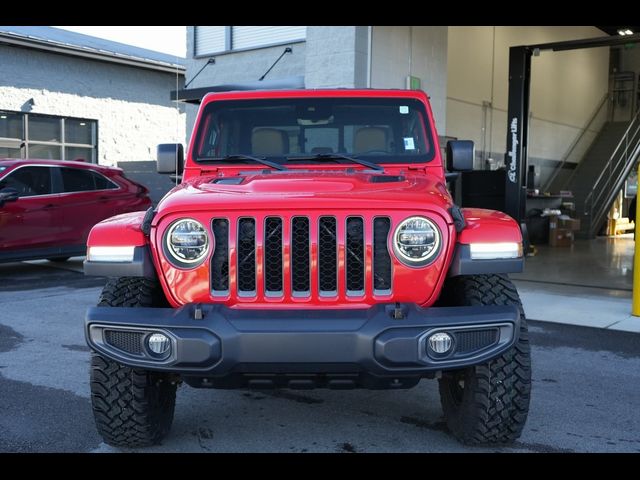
x=488 y=403
x=131 y=407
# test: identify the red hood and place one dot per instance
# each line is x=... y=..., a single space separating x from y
x=324 y=190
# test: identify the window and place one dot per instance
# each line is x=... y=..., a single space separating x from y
x=381 y=129
x=217 y=39
x=79 y=180
x=29 y=135
x=11 y=134
x=45 y=129
x=102 y=182
x=29 y=181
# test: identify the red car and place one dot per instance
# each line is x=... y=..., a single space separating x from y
x=47 y=208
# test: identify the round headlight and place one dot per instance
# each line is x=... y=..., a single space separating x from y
x=416 y=241
x=186 y=243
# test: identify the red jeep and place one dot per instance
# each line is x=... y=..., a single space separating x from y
x=312 y=243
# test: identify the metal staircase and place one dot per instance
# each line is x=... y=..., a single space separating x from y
x=595 y=183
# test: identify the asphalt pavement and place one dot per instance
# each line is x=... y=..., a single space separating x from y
x=586 y=383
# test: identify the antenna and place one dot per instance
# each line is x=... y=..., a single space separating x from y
x=286 y=50
x=211 y=61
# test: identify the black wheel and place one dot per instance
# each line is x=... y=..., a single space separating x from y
x=132 y=407
x=58 y=259
x=488 y=403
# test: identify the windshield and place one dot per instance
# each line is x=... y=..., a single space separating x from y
x=379 y=129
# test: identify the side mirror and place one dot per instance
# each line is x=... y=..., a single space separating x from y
x=8 y=194
x=170 y=158
x=460 y=155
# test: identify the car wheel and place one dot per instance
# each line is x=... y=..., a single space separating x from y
x=488 y=403
x=132 y=407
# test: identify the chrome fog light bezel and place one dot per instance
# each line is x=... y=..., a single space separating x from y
x=162 y=353
x=440 y=343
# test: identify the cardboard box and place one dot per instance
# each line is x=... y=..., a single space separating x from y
x=572 y=224
x=560 y=237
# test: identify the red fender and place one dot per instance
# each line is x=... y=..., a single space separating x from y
x=488 y=226
x=121 y=230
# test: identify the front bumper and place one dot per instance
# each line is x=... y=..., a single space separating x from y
x=216 y=341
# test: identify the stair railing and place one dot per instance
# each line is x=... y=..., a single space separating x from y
x=613 y=174
x=574 y=144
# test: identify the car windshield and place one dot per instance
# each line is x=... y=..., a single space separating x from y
x=380 y=130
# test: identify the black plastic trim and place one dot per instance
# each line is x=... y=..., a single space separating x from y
x=39 y=253
x=146 y=221
x=458 y=218
x=226 y=340
x=462 y=264
x=141 y=266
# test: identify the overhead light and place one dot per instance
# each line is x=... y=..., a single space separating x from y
x=82 y=124
x=628 y=32
x=3 y=116
x=625 y=31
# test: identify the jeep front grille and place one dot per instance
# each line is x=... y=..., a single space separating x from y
x=273 y=256
x=220 y=258
x=381 y=258
x=327 y=256
x=355 y=256
x=301 y=256
x=246 y=257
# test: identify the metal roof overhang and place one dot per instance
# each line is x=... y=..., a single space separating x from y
x=104 y=56
x=195 y=95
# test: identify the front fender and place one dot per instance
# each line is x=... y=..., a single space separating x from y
x=121 y=230
x=487 y=228
x=124 y=248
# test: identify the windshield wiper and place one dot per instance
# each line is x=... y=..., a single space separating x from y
x=338 y=156
x=242 y=157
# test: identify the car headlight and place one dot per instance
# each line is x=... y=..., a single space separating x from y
x=186 y=243
x=416 y=241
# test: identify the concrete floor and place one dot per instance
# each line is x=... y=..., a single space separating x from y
x=603 y=263
x=588 y=284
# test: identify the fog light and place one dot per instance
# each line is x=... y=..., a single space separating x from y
x=440 y=342
x=158 y=343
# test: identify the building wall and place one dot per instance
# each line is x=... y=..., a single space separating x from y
x=131 y=105
x=566 y=89
x=627 y=102
x=399 y=51
x=336 y=57
x=244 y=66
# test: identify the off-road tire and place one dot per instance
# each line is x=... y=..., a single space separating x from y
x=132 y=407
x=488 y=403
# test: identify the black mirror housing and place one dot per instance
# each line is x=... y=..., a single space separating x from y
x=170 y=158
x=8 y=194
x=460 y=155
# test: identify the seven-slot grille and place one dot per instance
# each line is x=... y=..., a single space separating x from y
x=259 y=249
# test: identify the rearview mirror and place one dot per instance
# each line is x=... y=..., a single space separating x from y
x=8 y=194
x=460 y=154
x=170 y=158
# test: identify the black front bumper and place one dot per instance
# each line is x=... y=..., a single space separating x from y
x=216 y=341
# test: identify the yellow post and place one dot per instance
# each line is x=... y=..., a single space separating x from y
x=635 y=306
